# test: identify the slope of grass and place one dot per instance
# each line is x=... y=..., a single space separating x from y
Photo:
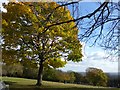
x=23 y=83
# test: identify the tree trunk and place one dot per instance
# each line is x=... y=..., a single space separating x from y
x=40 y=72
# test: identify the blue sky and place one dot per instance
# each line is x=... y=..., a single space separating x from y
x=93 y=56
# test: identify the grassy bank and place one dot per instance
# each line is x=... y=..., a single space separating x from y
x=22 y=83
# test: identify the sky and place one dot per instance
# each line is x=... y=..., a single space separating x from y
x=93 y=56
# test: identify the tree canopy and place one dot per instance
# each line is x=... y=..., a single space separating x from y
x=29 y=36
x=96 y=77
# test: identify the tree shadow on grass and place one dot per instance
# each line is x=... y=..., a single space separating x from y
x=9 y=82
x=57 y=89
x=41 y=88
x=34 y=87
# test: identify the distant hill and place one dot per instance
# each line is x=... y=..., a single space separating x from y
x=113 y=75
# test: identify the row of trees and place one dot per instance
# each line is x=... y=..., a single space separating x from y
x=114 y=80
x=93 y=76
x=50 y=74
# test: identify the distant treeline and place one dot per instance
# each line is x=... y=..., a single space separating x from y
x=92 y=76
x=113 y=79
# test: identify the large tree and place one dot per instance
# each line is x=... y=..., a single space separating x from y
x=96 y=77
x=31 y=33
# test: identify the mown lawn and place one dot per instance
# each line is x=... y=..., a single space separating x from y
x=24 y=84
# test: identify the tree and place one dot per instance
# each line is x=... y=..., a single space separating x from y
x=72 y=77
x=96 y=77
x=29 y=36
x=62 y=76
x=78 y=77
x=30 y=70
x=12 y=70
x=50 y=74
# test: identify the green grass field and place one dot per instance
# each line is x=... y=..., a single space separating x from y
x=24 y=84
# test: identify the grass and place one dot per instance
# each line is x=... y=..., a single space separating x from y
x=24 y=84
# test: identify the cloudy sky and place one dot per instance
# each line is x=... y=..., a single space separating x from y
x=94 y=57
